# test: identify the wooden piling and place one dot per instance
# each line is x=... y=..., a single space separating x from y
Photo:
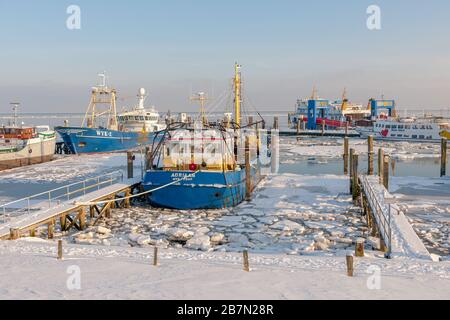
x=386 y=171
x=346 y=151
x=371 y=155
x=380 y=164
x=359 y=249
x=352 y=152
x=246 y=263
x=248 y=177
x=130 y=166
x=155 y=256
x=62 y=222
x=355 y=183
x=33 y=233
x=50 y=229
x=349 y=259
x=82 y=218
x=298 y=129
x=60 y=250
x=323 y=127
x=443 y=157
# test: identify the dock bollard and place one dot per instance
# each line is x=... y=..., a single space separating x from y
x=246 y=263
x=349 y=260
x=60 y=250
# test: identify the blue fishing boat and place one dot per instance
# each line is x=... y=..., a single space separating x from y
x=128 y=130
x=201 y=165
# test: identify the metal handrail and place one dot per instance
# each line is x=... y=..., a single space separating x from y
x=384 y=222
x=84 y=187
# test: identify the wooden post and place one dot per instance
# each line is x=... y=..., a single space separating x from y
x=298 y=130
x=246 y=263
x=33 y=233
x=386 y=172
x=127 y=201
x=359 y=250
x=352 y=152
x=155 y=256
x=50 y=229
x=82 y=218
x=14 y=234
x=91 y=212
x=60 y=250
x=380 y=164
x=443 y=157
x=349 y=259
x=355 y=187
x=323 y=127
x=275 y=123
x=62 y=222
x=346 y=150
x=383 y=247
x=248 y=177
x=130 y=164
x=371 y=154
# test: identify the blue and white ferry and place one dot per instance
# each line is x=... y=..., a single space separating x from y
x=128 y=130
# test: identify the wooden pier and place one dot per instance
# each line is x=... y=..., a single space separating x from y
x=73 y=213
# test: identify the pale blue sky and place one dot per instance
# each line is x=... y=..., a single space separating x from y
x=174 y=47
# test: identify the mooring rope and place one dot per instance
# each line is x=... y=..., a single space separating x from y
x=192 y=175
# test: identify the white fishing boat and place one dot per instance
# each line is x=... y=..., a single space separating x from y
x=22 y=146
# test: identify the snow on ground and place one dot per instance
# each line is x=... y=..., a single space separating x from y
x=426 y=202
x=127 y=273
x=334 y=148
x=290 y=214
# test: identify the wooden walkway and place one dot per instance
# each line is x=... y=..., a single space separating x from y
x=70 y=214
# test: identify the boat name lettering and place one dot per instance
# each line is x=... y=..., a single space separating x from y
x=104 y=133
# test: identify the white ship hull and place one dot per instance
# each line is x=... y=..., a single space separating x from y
x=405 y=131
x=32 y=151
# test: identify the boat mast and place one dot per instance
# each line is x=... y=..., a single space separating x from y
x=101 y=94
x=15 y=107
x=202 y=98
x=237 y=92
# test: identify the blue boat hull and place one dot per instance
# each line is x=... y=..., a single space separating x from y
x=91 y=140
x=204 y=190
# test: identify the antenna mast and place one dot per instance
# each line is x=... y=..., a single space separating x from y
x=237 y=92
x=15 y=107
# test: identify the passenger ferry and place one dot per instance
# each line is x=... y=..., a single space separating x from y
x=198 y=166
x=128 y=130
x=408 y=129
x=23 y=146
x=335 y=114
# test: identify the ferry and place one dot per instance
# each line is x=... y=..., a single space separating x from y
x=408 y=129
x=122 y=132
x=23 y=146
x=335 y=114
x=197 y=166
